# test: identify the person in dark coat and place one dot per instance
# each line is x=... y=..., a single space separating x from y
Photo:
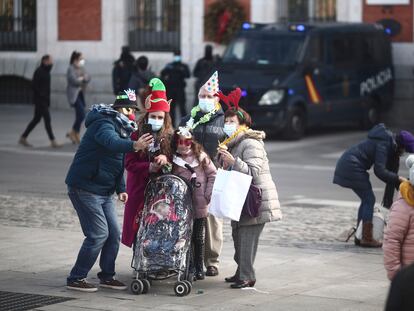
x=41 y=100
x=97 y=171
x=174 y=76
x=203 y=68
x=382 y=149
x=401 y=294
x=122 y=71
x=206 y=121
x=140 y=78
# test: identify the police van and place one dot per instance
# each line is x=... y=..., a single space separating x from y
x=295 y=76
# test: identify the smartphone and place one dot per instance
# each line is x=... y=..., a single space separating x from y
x=147 y=129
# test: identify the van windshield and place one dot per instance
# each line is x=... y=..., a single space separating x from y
x=265 y=50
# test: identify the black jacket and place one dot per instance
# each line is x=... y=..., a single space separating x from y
x=174 y=75
x=377 y=149
x=208 y=134
x=401 y=294
x=41 y=86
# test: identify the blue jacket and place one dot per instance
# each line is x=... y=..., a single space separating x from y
x=351 y=169
x=98 y=165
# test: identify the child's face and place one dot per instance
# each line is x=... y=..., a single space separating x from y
x=184 y=145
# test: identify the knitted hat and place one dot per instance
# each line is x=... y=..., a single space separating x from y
x=126 y=99
x=406 y=139
x=157 y=100
x=212 y=84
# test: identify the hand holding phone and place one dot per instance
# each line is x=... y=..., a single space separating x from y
x=146 y=129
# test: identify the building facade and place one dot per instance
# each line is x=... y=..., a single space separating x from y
x=156 y=28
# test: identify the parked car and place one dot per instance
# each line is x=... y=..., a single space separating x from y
x=294 y=76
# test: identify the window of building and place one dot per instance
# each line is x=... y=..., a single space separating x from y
x=154 y=25
x=17 y=25
x=307 y=10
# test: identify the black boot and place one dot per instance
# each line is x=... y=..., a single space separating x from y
x=198 y=242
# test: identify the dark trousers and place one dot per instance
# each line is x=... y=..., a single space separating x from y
x=178 y=102
x=366 y=209
x=41 y=111
x=198 y=243
x=79 y=112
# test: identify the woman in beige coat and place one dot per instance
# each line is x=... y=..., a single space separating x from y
x=244 y=152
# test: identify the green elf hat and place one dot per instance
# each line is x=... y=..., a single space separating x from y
x=157 y=100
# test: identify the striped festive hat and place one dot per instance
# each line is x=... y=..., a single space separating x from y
x=157 y=100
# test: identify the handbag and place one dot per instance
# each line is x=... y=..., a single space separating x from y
x=253 y=202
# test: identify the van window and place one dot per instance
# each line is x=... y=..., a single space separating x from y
x=265 y=50
x=315 y=50
x=374 y=49
x=344 y=50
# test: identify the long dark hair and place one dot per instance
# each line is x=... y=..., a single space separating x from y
x=164 y=135
x=75 y=55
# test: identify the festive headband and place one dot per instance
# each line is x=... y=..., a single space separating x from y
x=184 y=131
x=232 y=99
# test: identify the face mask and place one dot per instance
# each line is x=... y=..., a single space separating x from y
x=82 y=62
x=206 y=104
x=177 y=58
x=48 y=67
x=229 y=129
x=156 y=124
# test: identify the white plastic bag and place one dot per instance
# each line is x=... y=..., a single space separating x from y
x=378 y=224
x=229 y=193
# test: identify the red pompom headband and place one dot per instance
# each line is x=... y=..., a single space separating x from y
x=232 y=99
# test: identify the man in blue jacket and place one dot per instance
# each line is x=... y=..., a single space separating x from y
x=97 y=171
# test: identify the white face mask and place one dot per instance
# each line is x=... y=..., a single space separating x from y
x=206 y=104
x=229 y=129
x=82 y=62
x=156 y=124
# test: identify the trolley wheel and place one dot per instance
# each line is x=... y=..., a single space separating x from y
x=189 y=285
x=147 y=286
x=181 y=289
x=137 y=287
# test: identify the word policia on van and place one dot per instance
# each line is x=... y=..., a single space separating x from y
x=375 y=82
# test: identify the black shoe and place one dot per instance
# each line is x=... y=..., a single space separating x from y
x=212 y=271
x=231 y=279
x=199 y=275
x=81 y=285
x=243 y=284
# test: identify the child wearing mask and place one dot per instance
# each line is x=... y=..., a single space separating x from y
x=190 y=161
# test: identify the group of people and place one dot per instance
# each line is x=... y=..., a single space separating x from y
x=152 y=147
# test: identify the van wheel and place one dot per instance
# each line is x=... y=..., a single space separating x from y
x=371 y=115
x=295 y=125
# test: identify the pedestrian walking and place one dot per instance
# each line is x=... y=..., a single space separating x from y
x=77 y=80
x=401 y=293
x=204 y=67
x=244 y=151
x=206 y=121
x=122 y=70
x=399 y=234
x=187 y=152
x=174 y=76
x=41 y=101
x=151 y=160
x=97 y=171
x=381 y=149
x=140 y=79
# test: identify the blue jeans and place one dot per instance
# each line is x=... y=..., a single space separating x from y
x=79 y=112
x=366 y=209
x=98 y=219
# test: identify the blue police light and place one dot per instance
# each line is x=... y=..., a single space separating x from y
x=388 y=31
x=300 y=28
x=291 y=92
x=246 y=26
x=244 y=93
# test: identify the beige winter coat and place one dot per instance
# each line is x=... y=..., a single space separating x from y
x=251 y=158
x=398 y=241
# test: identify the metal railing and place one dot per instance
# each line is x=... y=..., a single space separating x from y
x=154 y=25
x=17 y=34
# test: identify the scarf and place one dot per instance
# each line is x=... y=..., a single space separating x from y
x=407 y=192
x=241 y=129
x=393 y=164
x=203 y=119
x=126 y=124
